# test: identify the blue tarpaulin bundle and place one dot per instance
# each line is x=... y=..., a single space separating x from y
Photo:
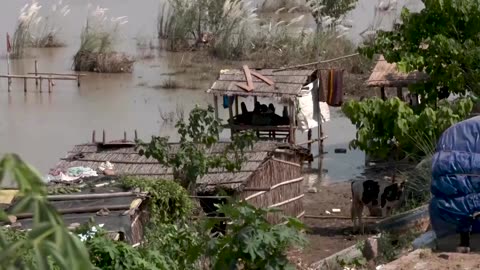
x=456 y=179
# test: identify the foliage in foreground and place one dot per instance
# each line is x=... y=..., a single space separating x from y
x=49 y=241
x=168 y=202
x=252 y=242
x=384 y=127
x=441 y=40
x=172 y=241
x=194 y=156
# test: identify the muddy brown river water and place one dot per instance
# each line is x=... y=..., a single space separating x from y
x=42 y=127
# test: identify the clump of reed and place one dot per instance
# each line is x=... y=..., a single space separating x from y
x=238 y=34
x=46 y=33
x=34 y=30
x=96 y=52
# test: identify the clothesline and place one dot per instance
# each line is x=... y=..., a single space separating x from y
x=317 y=62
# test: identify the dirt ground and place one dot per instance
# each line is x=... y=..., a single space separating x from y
x=427 y=260
x=328 y=236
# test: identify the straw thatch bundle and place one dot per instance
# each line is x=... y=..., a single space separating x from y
x=111 y=62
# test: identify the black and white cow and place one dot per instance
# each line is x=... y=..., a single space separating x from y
x=380 y=197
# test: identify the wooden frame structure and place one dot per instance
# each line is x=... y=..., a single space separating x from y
x=123 y=213
x=270 y=177
x=267 y=83
x=387 y=75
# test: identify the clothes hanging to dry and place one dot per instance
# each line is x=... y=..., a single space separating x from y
x=335 y=88
x=228 y=101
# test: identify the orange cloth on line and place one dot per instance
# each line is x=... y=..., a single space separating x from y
x=335 y=88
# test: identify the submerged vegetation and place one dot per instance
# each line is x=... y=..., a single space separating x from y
x=98 y=38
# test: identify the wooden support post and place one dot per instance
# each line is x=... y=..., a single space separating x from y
x=236 y=105
x=36 y=72
x=230 y=117
x=400 y=93
x=291 y=137
x=78 y=80
x=309 y=137
x=93 y=137
x=40 y=88
x=49 y=85
x=215 y=104
x=25 y=85
x=382 y=93
x=321 y=95
x=136 y=135
x=103 y=137
x=124 y=136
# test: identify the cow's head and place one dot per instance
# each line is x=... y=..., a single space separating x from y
x=393 y=193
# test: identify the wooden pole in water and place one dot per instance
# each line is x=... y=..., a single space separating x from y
x=36 y=72
x=49 y=85
x=40 y=84
x=103 y=139
x=93 y=136
x=78 y=80
x=136 y=135
x=125 y=136
x=25 y=85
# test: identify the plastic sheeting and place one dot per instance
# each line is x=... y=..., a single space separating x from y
x=456 y=179
x=307 y=114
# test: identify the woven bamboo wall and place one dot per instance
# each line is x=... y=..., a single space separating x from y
x=274 y=172
x=139 y=222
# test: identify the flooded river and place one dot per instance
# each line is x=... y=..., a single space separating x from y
x=42 y=127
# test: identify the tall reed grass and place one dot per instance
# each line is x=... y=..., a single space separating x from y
x=35 y=30
x=419 y=178
x=97 y=46
x=239 y=34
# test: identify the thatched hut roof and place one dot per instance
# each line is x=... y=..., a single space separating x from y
x=127 y=162
x=287 y=83
x=387 y=75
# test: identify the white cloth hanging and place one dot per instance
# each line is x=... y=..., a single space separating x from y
x=306 y=116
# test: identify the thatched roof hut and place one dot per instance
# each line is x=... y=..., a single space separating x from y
x=122 y=213
x=387 y=75
x=270 y=177
x=287 y=83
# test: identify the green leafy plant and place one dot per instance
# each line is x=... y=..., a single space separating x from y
x=384 y=127
x=168 y=201
x=441 y=40
x=252 y=242
x=193 y=157
x=49 y=241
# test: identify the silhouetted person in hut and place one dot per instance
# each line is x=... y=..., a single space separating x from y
x=271 y=108
x=256 y=107
x=244 y=108
x=245 y=118
x=285 y=119
x=263 y=108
